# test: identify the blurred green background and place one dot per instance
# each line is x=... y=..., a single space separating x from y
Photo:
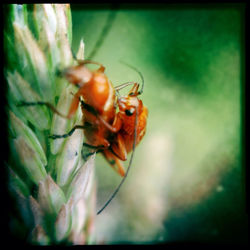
x=186 y=182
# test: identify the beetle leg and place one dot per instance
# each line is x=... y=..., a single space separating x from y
x=121 y=170
x=50 y=106
x=91 y=146
x=118 y=148
x=117 y=124
x=96 y=149
x=102 y=142
x=114 y=162
x=86 y=155
x=114 y=128
x=101 y=69
x=74 y=104
x=69 y=133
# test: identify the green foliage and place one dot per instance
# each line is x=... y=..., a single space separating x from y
x=43 y=174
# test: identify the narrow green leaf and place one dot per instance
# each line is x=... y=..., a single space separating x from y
x=30 y=160
x=37 y=212
x=16 y=183
x=29 y=138
x=55 y=193
x=49 y=42
x=64 y=221
x=35 y=68
x=45 y=18
x=45 y=12
x=69 y=19
x=24 y=209
x=79 y=184
x=20 y=90
x=20 y=14
x=11 y=62
x=79 y=215
x=50 y=196
x=39 y=236
x=67 y=161
x=63 y=42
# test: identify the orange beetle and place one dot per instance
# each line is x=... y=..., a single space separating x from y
x=105 y=130
x=113 y=134
x=109 y=132
x=130 y=109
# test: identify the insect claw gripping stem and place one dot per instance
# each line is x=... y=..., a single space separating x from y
x=97 y=149
x=86 y=156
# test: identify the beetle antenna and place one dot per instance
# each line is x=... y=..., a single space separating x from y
x=126 y=174
x=123 y=85
x=104 y=33
x=142 y=78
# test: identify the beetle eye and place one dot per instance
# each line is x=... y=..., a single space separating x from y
x=129 y=112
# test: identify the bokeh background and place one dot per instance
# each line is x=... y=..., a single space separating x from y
x=187 y=179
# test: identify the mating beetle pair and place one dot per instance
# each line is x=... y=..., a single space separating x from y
x=114 y=134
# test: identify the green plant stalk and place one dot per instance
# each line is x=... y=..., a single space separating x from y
x=48 y=179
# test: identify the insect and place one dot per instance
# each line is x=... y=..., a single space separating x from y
x=114 y=134
x=133 y=115
x=109 y=132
